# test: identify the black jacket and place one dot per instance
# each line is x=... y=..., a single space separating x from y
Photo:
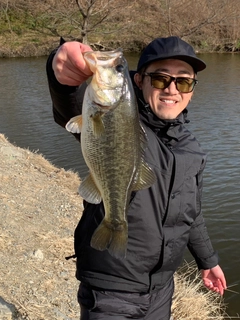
x=162 y=220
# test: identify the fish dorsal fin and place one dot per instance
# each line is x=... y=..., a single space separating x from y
x=74 y=125
x=89 y=191
x=145 y=177
x=143 y=139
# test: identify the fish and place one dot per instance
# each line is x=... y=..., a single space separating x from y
x=113 y=143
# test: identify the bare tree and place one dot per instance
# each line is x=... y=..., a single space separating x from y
x=95 y=13
x=204 y=23
x=89 y=9
x=209 y=25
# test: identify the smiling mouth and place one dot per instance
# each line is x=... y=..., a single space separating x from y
x=168 y=101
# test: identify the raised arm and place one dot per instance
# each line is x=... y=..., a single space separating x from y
x=67 y=73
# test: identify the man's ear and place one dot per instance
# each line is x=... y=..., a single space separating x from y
x=138 y=80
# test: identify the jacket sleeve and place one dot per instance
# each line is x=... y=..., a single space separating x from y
x=199 y=243
x=66 y=100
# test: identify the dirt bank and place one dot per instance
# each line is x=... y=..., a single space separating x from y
x=39 y=209
x=25 y=46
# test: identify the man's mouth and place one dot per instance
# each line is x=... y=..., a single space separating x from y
x=168 y=101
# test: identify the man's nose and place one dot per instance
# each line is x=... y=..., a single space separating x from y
x=172 y=88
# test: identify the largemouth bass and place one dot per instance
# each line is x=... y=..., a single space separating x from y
x=112 y=142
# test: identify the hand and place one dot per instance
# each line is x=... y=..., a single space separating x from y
x=68 y=64
x=214 y=279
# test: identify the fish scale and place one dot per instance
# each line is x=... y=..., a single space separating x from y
x=111 y=142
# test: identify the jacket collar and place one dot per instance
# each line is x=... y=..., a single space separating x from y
x=166 y=129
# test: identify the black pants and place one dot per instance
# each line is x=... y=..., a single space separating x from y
x=112 y=305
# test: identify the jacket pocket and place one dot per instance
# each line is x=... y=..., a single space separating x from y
x=190 y=204
x=132 y=305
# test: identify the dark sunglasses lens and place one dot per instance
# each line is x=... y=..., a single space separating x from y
x=160 y=82
x=185 y=85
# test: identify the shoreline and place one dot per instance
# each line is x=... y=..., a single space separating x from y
x=15 y=48
x=40 y=208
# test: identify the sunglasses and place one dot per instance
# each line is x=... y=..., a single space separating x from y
x=162 y=81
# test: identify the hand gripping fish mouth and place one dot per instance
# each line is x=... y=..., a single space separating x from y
x=108 y=83
x=113 y=143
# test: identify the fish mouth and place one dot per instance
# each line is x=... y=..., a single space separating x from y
x=103 y=108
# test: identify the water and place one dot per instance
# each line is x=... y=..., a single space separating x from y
x=26 y=119
x=26 y=113
x=215 y=120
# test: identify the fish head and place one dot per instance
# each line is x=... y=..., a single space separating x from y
x=108 y=84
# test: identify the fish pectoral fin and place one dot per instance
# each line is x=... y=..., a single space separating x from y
x=74 y=125
x=145 y=177
x=89 y=191
x=114 y=239
x=98 y=126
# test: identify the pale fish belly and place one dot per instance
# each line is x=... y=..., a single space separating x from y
x=113 y=160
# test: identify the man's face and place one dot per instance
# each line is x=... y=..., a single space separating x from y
x=166 y=103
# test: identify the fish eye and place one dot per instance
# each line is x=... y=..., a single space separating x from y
x=119 y=68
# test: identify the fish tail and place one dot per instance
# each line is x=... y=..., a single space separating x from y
x=107 y=236
x=101 y=237
x=118 y=245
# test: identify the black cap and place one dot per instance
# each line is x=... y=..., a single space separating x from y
x=170 y=48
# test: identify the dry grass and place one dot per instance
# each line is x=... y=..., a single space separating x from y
x=27 y=45
x=192 y=301
x=40 y=208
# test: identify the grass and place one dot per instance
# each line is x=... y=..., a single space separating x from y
x=192 y=301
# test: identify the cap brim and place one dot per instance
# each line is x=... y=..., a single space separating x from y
x=197 y=64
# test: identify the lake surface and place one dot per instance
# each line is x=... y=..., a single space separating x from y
x=214 y=113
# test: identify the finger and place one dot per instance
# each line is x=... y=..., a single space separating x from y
x=217 y=287
x=223 y=282
x=79 y=71
x=69 y=65
x=78 y=61
x=220 y=287
x=73 y=76
x=68 y=74
x=208 y=283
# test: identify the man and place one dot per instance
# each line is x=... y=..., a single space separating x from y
x=162 y=220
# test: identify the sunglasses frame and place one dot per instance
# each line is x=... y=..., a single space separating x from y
x=175 y=79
